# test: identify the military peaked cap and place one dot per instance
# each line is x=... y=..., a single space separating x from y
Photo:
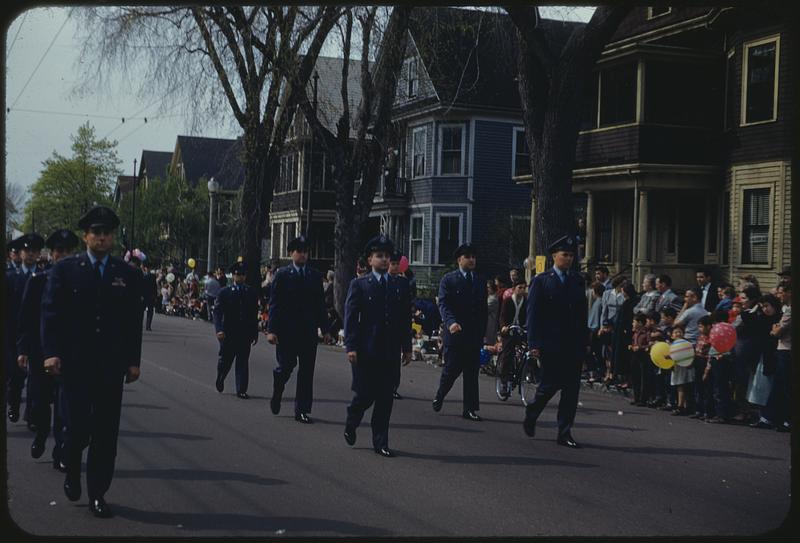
x=32 y=241
x=465 y=249
x=62 y=237
x=99 y=217
x=564 y=243
x=238 y=268
x=300 y=243
x=379 y=243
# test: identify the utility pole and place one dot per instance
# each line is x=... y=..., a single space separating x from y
x=133 y=212
x=311 y=162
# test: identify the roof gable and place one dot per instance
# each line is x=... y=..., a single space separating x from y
x=211 y=157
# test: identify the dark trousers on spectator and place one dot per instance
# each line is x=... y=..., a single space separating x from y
x=741 y=378
x=721 y=376
x=149 y=317
x=641 y=386
x=779 y=406
x=698 y=386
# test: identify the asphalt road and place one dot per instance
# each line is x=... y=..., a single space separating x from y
x=193 y=462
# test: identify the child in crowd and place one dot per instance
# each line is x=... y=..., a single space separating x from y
x=596 y=363
x=681 y=377
x=665 y=392
x=703 y=382
x=650 y=370
x=736 y=308
x=720 y=374
x=640 y=339
x=726 y=295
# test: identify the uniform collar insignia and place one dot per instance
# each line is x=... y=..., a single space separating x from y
x=118 y=282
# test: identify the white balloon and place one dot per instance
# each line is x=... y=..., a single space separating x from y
x=170 y=277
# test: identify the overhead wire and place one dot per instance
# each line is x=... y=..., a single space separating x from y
x=44 y=55
x=19 y=28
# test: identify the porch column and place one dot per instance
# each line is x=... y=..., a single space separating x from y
x=589 y=242
x=641 y=237
x=531 y=268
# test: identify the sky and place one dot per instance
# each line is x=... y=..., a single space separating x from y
x=40 y=75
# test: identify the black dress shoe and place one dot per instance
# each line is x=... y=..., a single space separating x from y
x=37 y=449
x=385 y=452
x=275 y=403
x=242 y=395
x=396 y=396
x=59 y=466
x=220 y=384
x=100 y=508
x=437 y=405
x=529 y=425
x=471 y=415
x=567 y=441
x=13 y=414
x=350 y=435
x=72 y=489
x=762 y=424
x=304 y=418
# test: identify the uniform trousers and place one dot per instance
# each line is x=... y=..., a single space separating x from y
x=93 y=402
x=304 y=355
x=15 y=380
x=46 y=390
x=460 y=359
x=373 y=381
x=557 y=375
x=235 y=348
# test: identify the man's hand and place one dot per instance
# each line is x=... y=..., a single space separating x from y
x=272 y=339
x=776 y=329
x=504 y=330
x=22 y=361
x=407 y=358
x=132 y=375
x=52 y=366
x=455 y=328
x=352 y=357
x=220 y=335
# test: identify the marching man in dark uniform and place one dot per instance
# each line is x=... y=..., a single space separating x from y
x=464 y=309
x=296 y=311
x=29 y=247
x=377 y=320
x=557 y=321
x=394 y=271
x=148 y=294
x=91 y=335
x=44 y=388
x=236 y=324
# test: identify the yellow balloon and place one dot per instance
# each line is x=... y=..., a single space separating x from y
x=659 y=353
x=191 y=263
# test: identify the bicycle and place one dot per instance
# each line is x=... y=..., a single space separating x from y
x=525 y=372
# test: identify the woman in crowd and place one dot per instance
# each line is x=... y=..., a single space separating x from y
x=650 y=295
x=611 y=301
x=490 y=336
x=770 y=309
x=596 y=346
x=623 y=334
x=751 y=330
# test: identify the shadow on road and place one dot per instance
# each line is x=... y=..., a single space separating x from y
x=143 y=406
x=495 y=460
x=236 y=522
x=196 y=475
x=681 y=452
x=404 y=426
x=163 y=435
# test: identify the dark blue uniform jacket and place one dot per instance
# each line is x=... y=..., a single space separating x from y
x=469 y=308
x=297 y=305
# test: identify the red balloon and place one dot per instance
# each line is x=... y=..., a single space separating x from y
x=723 y=337
x=403 y=264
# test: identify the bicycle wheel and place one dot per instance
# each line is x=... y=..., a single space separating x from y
x=529 y=381
x=498 y=388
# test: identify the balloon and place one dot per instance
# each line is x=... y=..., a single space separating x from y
x=658 y=354
x=722 y=337
x=682 y=352
x=191 y=262
x=239 y=259
x=403 y=264
x=507 y=293
x=170 y=277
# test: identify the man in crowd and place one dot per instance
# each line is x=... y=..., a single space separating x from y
x=513 y=313
x=601 y=276
x=91 y=334
x=710 y=297
x=14 y=260
x=464 y=309
x=376 y=328
x=43 y=388
x=236 y=325
x=149 y=294
x=557 y=321
x=29 y=247
x=667 y=298
x=211 y=291
x=296 y=313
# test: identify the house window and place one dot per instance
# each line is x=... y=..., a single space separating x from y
x=760 y=81
x=416 y=239
x=522 y=157
x=729 y=117
x=518 y=240
x=276 y=240
x=603 y=236
x=726 y=228
x=419 y=147
x=321 y=239
x=755 y=227
x=449 y=237
x=618 y=94
x=289 y=233
x=590 y=106
x=657 y=11
x=287 y=177
x=318 y=169
x=679 y=93
x=452 y=150
x=413 y=80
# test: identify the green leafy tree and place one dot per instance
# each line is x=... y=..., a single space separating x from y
x=68 y=186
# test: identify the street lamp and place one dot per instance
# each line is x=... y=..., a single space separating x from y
x=213 y=188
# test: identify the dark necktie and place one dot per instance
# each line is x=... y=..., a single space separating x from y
x=302 y=273
x=98 y=274
x=469 y=280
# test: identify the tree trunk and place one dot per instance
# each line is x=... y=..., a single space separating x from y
x=255 y=209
